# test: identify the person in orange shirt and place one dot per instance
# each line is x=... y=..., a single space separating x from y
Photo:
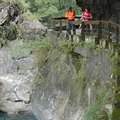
x=70 y=15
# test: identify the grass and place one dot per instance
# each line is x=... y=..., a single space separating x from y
x=28 y=46
x=80 y=77
x=96 y=110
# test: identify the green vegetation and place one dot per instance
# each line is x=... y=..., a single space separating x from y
x=42 y=48
x=96 y=110
x=11 y=32
x=80 y=76
x=55 y=8
x=28 y=47
x=67 y=46
x=90 y=45
x=47 y=49
x=3 y=39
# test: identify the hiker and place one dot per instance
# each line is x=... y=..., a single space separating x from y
x=86 y=15
x=70 y=15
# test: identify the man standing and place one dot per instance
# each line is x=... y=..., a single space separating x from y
x=70 y=15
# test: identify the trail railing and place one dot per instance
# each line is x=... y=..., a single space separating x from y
x=105 y=30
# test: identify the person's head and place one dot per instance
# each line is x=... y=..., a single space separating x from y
x=87 y=10
x=69 y=7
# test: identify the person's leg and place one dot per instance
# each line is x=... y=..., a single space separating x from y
x=73 y=28
x=80 y=26
x=69 y=28
x=91 y=27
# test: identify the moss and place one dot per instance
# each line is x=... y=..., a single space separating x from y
x=11 y=32
x=103 y=39
x=3 y=39
x=102 y=116
x=112 y=43
x=2 y=32
x=91 y=45
x=97 y=84
x=117 y=98
x=80 y=77
x=116 y=114
x=117 y=48
x=117 y=89
x=118 y=71
x=77 y=61
x=96 y=110
x=78 y=35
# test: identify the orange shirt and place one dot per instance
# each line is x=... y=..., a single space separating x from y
x=70 y=15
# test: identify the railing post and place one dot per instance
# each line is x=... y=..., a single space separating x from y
x=60 y=26
x=99 y=33
x=83 y=31
x=53 y=23
x=109 y=32
x=109 y=35
x=71 y=38
x=117 y=36
x=49 y=23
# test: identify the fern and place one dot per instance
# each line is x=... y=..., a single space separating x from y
x=93 y=111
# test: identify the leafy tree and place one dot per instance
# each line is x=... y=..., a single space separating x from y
x=51 y=8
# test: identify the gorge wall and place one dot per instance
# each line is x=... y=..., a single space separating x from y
x=102 y=10
x=73 y=86
x=63 y=89
x=17 y=70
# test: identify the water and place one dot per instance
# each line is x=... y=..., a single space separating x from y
x=20 y=116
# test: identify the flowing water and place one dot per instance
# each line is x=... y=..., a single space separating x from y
x=20 y=116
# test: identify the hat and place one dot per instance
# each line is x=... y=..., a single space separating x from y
x=69 y=7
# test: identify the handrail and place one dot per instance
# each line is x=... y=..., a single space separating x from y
x=86 y=22
x=113 y=29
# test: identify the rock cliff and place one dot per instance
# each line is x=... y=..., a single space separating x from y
x=17 y=70
x=56 y=94
x=72 y=86
x=102 y=10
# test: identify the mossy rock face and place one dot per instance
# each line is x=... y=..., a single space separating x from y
x=11 y=32
x=103 y=116
x=117 y=97
x=116 y=114
x=112 y=43
x=118 y=48
x=2 y=32
x=3 y=40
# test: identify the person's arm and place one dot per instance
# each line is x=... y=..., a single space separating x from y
x=66 y=15
x=74 y=15
x=82 y=16
x=90 y=16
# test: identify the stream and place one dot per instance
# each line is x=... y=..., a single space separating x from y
x=20 y=116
